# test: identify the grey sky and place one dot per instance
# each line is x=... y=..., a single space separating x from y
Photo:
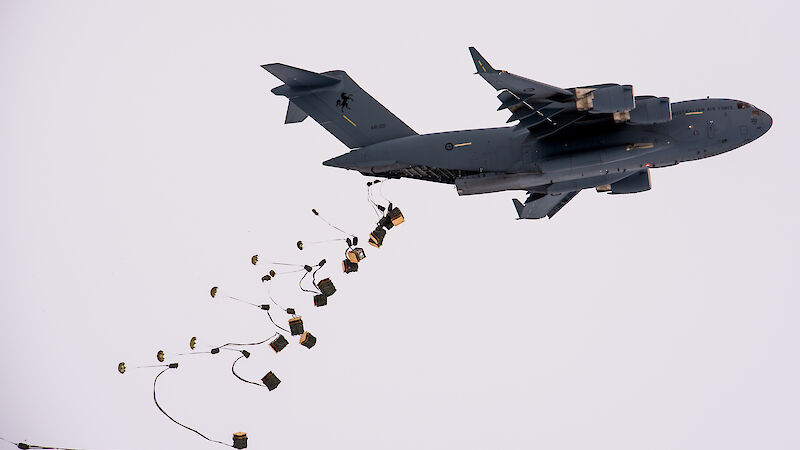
x=143 y=160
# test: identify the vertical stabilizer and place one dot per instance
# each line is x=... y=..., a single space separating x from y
x=337 y=103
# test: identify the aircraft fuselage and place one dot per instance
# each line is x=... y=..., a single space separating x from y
x=586 y=155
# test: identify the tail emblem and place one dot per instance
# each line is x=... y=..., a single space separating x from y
x=343 y=102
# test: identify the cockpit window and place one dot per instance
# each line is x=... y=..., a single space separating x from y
x=742 y=105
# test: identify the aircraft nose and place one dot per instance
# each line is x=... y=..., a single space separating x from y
x=766 y=121
x=761 y=122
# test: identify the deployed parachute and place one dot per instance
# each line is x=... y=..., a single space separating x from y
x=322 y=290
x=269 y=276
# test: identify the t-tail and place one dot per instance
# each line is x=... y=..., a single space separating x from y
x=337 y=103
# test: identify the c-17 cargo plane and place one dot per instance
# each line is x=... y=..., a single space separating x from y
x=565 y=140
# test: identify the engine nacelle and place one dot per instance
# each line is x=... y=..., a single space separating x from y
x=605 y=99
x=638 y=182
x=651 y=110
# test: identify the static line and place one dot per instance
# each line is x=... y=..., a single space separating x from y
x=462 y=144
x=692 y=113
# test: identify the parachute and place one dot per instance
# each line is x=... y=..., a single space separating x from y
x=279 y=341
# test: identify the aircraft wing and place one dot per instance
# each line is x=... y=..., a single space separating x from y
x=544 y=109
x=539 y=205
x=521 y=86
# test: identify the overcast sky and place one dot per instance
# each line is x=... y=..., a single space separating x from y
x=144 y=160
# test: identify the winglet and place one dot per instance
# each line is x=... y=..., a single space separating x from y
x=481 y=65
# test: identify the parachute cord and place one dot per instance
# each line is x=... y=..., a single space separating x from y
x=155 y=365
x=304 y=289
x=249 y=343
x=332 y=225
x=285 y=264
x=244 y=301
x=233 y=370
x=371 y=201
x=269 y=293
x=289 y=271
x=324 y=242
x=314 y=277
x=380 y=191
x=24 y=445
x=273 y=322
x=155 y=399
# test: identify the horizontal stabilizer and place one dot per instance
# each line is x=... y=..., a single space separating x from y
x=294 y=114
x=299 y=78
x=538 y=205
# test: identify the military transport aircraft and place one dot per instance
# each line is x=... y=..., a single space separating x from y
x=565 y=140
